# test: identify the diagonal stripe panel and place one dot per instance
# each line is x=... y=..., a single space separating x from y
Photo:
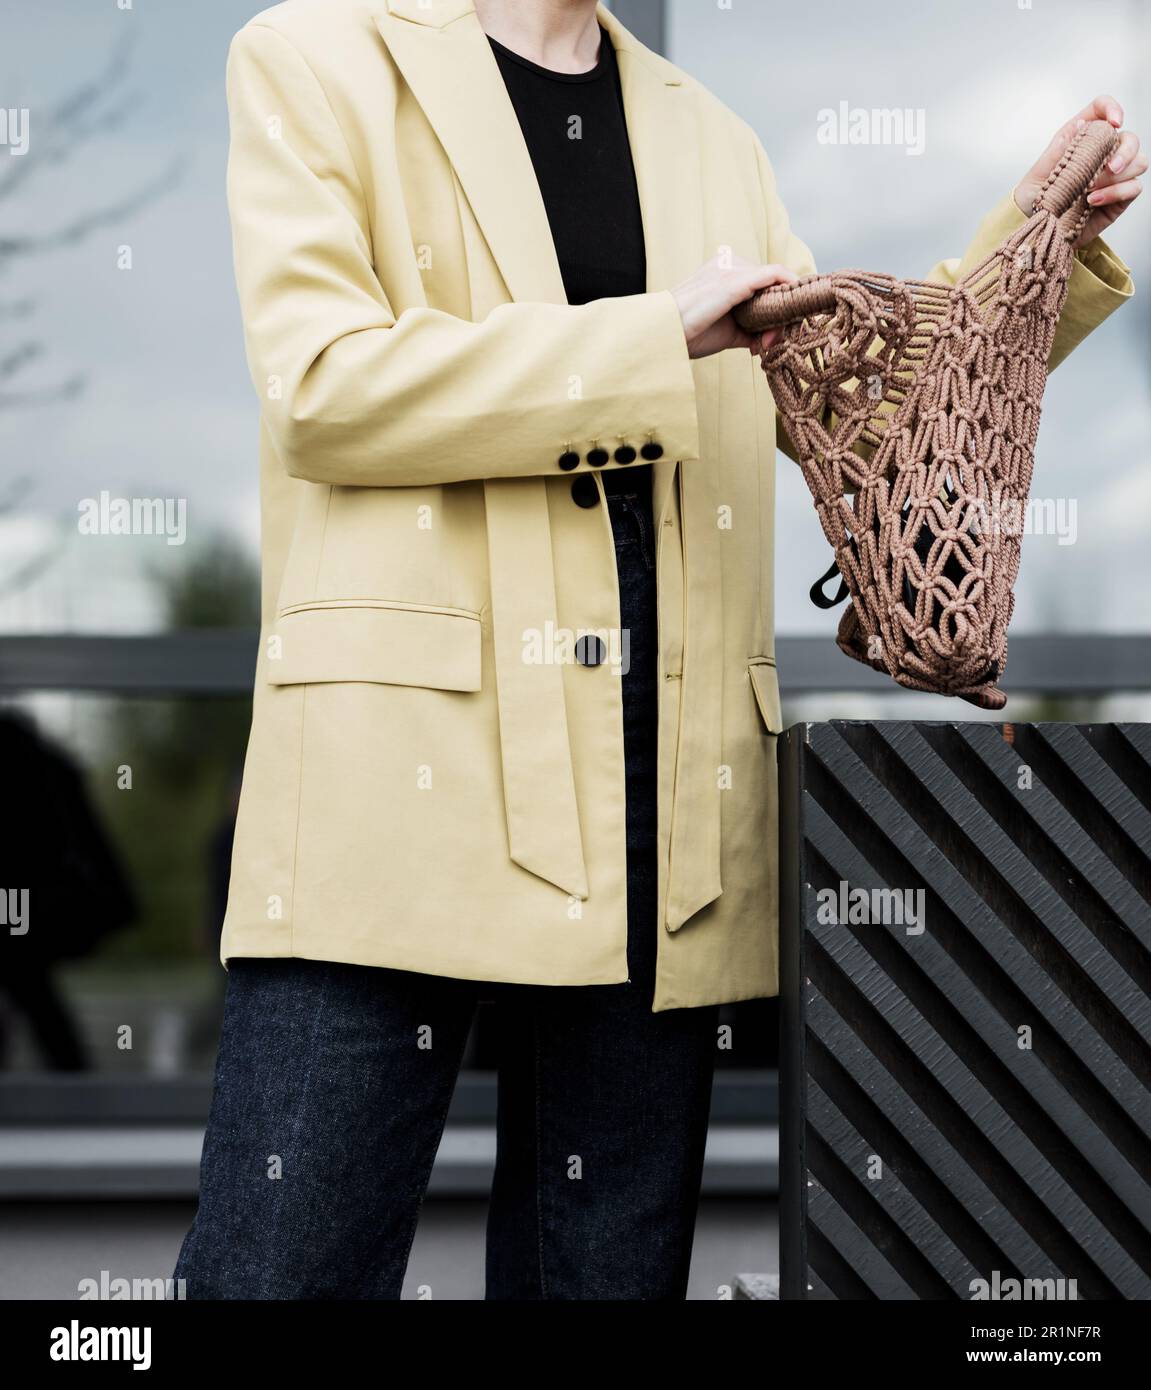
x=965 y=1012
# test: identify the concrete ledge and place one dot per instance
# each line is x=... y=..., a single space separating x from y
x=40 y=1162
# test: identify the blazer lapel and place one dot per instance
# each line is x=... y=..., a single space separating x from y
x=448 y=63
x=665 y=152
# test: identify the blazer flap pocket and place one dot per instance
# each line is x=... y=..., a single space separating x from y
x=765 y=683
x=389 y=643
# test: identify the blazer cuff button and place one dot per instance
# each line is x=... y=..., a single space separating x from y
x=568 y=460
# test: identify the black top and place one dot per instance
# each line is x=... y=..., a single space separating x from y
x=574 y=127
x=576 y=133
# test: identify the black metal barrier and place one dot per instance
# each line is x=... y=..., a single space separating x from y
x=965 y=1077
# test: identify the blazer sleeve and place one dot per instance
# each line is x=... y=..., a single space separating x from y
x=1099 y=282
x=353 y=393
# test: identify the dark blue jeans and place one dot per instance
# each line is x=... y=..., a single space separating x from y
x=333 y=1082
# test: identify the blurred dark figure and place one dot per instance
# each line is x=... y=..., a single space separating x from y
x=220 y=865
x=207 y=1020
x=54 y=848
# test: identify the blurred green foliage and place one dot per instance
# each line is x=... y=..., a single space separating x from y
x=185 y=756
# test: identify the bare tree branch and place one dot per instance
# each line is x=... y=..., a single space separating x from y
x=66 y=390
x=16 y=360
x=18 y=488
x=94 y=109
x=32 y=569
x=16 y=308
x=64 y=128
x=75 y=232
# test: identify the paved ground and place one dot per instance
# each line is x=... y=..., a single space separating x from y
x=46 y=1249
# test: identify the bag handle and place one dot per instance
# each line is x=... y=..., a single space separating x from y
x=1062 y=196
x=780 y=304
x=1069 y=182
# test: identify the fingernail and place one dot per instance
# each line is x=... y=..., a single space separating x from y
x=1093 y=198
x=1116 y=164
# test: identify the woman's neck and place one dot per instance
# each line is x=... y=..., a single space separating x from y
x=562 y=35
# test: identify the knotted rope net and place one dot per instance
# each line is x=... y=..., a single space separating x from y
x=914 y=410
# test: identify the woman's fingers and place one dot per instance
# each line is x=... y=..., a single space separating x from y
x=1128 y=149
x=1123 y=192
x=706 y=300
x=760 y=342
x=761 y=278
x=1103 y=108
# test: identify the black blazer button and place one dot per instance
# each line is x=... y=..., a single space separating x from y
x=625 y=454
x=590 y=651
x=569 y=460
x=597 y=457
x=651 y=451
x=585 y=491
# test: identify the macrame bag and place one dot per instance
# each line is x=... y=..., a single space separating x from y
x=914 y=410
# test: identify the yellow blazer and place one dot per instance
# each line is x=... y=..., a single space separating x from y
x=432 y=783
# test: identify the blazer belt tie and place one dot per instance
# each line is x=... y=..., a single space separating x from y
x=535 y=751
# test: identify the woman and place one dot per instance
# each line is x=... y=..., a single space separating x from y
x=516 y=703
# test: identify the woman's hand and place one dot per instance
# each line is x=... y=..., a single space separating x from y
x=707 y=298
x=1118 y=184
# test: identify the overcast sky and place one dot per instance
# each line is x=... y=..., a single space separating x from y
x=167 y=407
